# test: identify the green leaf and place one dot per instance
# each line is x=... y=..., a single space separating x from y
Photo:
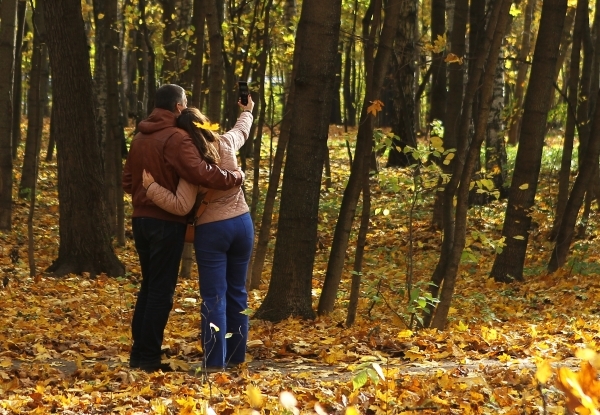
x=359 y=380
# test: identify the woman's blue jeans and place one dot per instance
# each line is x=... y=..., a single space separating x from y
x=223 y=250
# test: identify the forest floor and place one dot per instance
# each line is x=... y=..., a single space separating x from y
x=64 y=342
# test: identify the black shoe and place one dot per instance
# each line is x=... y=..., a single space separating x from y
x=134 y=363
x=165 y=367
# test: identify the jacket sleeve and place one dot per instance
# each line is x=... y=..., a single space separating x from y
x=179 y=203
x=184 y=157
x=240 y=132
x=126 y=180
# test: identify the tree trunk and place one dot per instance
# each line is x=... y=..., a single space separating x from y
x=84 y=230
x=215 y=39
x=148 y=63
x=454 y=100
x=522 y=68
x=349 y=63
x=37 y=97
x=487 y=52
x=8 y=36
x=474 y=76
x=573 y=99
x=290 y=291
x=403 y=67
x=587 y=171
x=438 y=65
x=508 y=265
x=198 y=21
x=18 y=81
x=113 y=165
x=495 y=148
x=376 y=67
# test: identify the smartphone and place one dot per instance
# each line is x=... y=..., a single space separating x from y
x=243 y=88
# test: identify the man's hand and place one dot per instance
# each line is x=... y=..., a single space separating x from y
x=239 y=173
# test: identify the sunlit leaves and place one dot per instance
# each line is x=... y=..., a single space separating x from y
x=375 y=107
x=207 y=126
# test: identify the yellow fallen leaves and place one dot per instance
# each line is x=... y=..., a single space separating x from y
x=581 y=389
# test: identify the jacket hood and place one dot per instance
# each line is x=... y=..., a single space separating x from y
x=158 y=120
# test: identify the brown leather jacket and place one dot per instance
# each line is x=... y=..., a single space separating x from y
x=168 y=152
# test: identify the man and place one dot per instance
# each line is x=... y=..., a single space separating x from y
x=168 y=152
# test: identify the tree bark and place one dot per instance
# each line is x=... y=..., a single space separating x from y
x=487 y=60
x=522 y=69
x=37 y=98
x=495 y=148
x=8 y=35
x=462 y=152
x=115 y=136
x=290 y=291
x=438 y=65
x=587 y=171
x=508 y=265
x=84 y=230
x=376 y=66
x=215 y=39
x=198 y=21
x=573 y=100
x=18 y=81
x=454 y=101
x=403 y=67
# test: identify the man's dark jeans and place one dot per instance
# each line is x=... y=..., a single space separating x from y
x=159 y=244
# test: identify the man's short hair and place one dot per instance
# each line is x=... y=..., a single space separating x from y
x=168 y=96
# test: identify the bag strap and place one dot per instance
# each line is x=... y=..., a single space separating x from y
x=203 y=205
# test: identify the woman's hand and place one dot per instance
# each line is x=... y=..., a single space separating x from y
x=247 y=107
x=147 y=179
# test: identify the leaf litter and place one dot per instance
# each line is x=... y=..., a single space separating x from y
x=508 y=349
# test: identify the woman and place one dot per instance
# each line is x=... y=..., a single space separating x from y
x=223 y=242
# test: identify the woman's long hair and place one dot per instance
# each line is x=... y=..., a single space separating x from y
x=206 y=140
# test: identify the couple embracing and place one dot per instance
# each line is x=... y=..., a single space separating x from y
x=172 y=163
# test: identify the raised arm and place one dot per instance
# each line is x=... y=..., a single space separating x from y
x=179 y=203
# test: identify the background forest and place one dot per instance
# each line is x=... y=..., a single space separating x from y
x=422 y=175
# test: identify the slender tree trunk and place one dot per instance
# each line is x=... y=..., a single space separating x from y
x=587 y=171
x=52 y=138
x=264 y=234
x=376 y=67
x=522 y=68
x=113 y=165
x=84 y=230
x=573 y=98
x=8 y=35
x=508 y=265
x=495 y=148
x=37 y=97
x=198 y=21
x=215 y=39
x=18 y=81
x=403 y=64
x=314 y=53
x=462 y=152
x=149 y=68
x=488 y=51
x=438 y=65
x=454 y=101
x=361 y=242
